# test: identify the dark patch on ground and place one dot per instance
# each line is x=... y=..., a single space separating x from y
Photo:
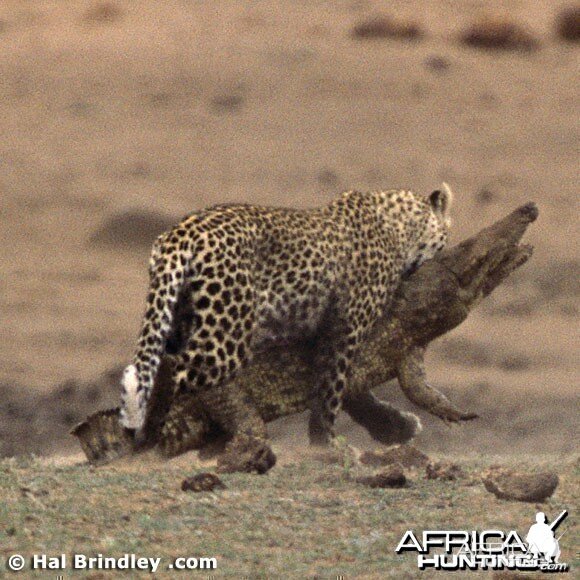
x=40 y=423
x=131 y=229
x=499 y=34
x=383 y=26
x=568 y=24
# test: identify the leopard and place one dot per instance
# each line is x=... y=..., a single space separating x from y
x=229 y=279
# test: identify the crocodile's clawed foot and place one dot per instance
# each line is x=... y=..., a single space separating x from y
x=453 y=416
x=246 y=454
x=413 y=382
x=384 y=422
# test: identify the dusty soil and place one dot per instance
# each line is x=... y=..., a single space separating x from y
x=118 y=118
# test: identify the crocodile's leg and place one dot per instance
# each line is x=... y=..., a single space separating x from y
x=234 y=410
x=413 y=382
x=384 y=423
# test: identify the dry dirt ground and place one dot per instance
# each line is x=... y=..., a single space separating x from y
x=117 y=118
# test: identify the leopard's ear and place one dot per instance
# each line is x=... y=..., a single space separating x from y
x=441 y=200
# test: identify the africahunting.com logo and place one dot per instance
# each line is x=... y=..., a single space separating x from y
x=488 y=549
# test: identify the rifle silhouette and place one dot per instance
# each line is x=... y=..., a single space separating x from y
x=559 y=520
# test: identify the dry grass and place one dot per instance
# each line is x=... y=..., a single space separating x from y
x=300 y=520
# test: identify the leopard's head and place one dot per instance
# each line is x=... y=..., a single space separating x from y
x=434 y=224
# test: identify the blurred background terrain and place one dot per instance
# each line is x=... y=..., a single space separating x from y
x=117 y=118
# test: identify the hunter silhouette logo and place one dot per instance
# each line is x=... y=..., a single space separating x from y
x=542 y=540
x=489 y=549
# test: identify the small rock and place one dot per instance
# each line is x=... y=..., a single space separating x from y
x=202 y=482
x=508 y=484
x=444 y=471
x=393 y=477
x=499 y=34
x=406 y=455
x=246 y=454
x=568 y=24
x=381 y=26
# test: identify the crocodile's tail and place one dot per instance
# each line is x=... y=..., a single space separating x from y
x=168 y=272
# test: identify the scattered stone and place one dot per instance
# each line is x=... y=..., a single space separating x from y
x=568 y=24
x=132 y=229
x=246 y=454
x=499 y=34
x=405 y=455
x=202 y=482
x=508 y=484
x=444 y=471
x=392 y=477
x=381 y=26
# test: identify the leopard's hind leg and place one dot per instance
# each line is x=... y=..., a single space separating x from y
x=218 y=346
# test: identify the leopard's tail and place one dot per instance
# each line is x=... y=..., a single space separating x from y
x=168 y=271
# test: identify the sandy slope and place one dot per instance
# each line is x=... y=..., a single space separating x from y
x=166 y=107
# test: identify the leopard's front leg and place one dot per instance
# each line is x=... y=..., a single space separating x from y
x=351 y=312
x=335 y=360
